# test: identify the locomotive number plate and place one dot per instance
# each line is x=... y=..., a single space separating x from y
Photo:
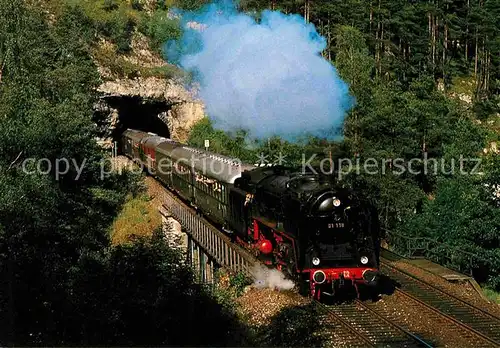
x=336 y=225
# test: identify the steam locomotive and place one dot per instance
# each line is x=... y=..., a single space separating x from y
x=320 y=234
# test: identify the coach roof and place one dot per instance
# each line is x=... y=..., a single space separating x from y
x=223 y=168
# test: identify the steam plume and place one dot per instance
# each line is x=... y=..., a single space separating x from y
x=270 y=278
x=266 y=77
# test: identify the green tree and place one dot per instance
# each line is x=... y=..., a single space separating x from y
x=144 y=293
x=160 y=29
x=464 y=216
x=62 y=283
x=222 y=143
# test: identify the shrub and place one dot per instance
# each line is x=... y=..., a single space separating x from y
x=137 y=5
x=161 y=5
x=119 y=28
x=160 y=29
x=110 y=5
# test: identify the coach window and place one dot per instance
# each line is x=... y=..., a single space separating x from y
x=201 y=181
x=205 y=184
x=198 y=179
x=219 y=190
x=183 y=171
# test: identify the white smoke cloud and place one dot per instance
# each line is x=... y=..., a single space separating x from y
x=267 y=77
x=270 y=278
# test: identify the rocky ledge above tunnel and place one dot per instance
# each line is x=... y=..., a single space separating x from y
x=152 y=105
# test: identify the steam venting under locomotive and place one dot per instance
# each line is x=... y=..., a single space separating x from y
x=322 y=235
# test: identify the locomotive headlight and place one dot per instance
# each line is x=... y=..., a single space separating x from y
x=319 y=277
x=370 y=276
x=364 y=260
x=315 y=261
x=336 y=202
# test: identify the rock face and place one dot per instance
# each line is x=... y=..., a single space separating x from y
x=107 y=123
x=181 y=118
x=169 y=91
x=181 y=108
x=167 y=100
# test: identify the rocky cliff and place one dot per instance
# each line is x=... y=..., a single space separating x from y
x=176 y=105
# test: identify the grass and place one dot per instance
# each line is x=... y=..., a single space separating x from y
x=463 y=85
x=139 y=217
x=108 y=57
x=492 y=295
x=117 y=21
x=494 y=125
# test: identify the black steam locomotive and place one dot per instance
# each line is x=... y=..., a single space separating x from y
x=322 y=235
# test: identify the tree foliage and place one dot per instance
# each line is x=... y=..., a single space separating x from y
x=464 y=217
x=62 y=283
x=160 y=29
x=401 y=60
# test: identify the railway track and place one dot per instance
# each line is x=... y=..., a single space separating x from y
x=363 y=327
x=335 y=328
x=355 y=324
x=479 y=323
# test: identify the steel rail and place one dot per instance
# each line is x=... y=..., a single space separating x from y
x=469 y=317
x=362 y=338
x=373 y=328
x=420 y=342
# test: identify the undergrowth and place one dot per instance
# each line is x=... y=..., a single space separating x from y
x=119 y=66
x=492 y=295
x=117 y=22
x=139 y=217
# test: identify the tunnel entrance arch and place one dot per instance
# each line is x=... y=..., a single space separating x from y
x=131 y=112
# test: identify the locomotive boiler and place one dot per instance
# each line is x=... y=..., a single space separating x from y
x=321 y=234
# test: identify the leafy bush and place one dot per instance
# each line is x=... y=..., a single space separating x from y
x=121 y=67
x=191 y=5
x=160 y=28
x=293 y=327
x=220 y=141
x=239 y=282
x=144 y=294
x=161 y=5
x=466 y=222
x=486 y=108
x=137 y=5
x=119 y=27
x=113 y=20
x=110 y=5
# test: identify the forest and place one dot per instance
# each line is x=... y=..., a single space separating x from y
x=62 y=283
x=426 y=79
